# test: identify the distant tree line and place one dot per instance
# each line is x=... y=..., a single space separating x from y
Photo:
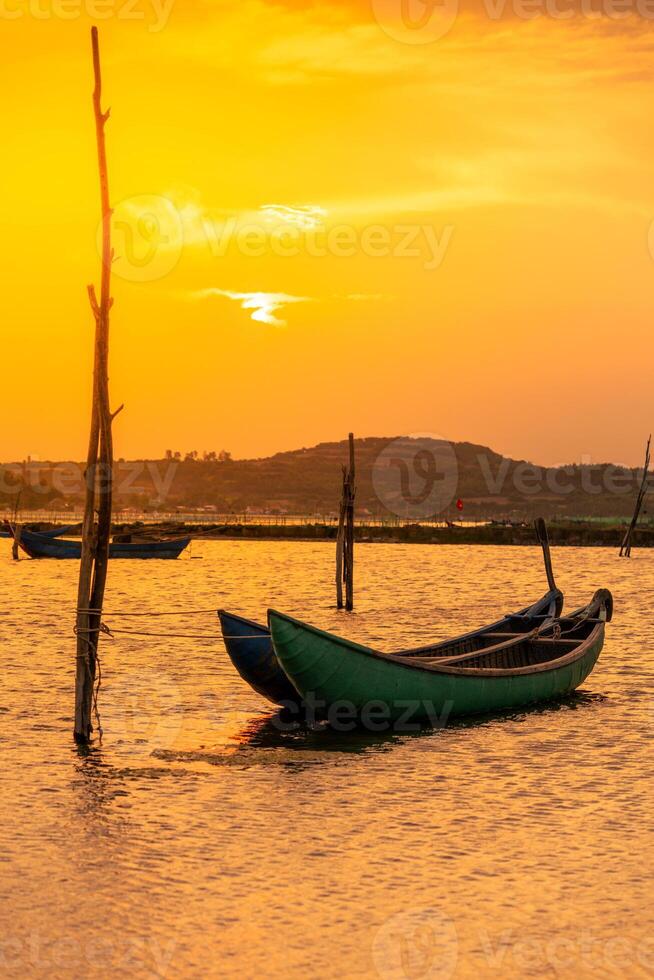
x=194 y=456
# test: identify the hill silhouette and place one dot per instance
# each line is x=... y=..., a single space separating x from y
x=406 y=477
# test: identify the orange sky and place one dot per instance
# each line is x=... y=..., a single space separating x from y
x=326 y=220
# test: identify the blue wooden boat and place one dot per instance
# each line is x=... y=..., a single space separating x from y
x=250 y=647
x=41 y=546
x=57 y=532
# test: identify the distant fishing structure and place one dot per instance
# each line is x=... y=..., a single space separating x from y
x=625 y=548
x=345 y=536
x=99 y=463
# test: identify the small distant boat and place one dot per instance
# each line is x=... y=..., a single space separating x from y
x=41 y=546
x=56 y=532
x=489 y=670
x=250 y=646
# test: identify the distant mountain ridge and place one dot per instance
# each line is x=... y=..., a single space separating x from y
x=410 y=478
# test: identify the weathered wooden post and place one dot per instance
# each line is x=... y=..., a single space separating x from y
x=543 y=540
x=17 y=528
x=99 y=462
x=340 y=542
x=625 y=548
x=345 y=536
x=349 y=532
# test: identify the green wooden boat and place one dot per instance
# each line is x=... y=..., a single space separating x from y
x=473 y=674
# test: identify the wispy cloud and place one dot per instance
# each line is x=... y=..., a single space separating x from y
x=263 y=306
x=305 y=217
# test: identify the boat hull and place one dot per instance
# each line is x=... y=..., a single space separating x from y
x=40 y=546
x=329 y=671
x=250 y=649
x=57 y=532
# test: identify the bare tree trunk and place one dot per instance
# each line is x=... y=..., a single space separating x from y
x=99 y=461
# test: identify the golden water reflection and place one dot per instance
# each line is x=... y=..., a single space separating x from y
x=201 y=840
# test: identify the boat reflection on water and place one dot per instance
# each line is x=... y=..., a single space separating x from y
x=282 y=730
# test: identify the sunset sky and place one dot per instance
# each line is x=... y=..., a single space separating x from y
x=328 y=220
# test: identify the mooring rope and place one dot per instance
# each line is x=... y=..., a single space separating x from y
x=246 y=636
x=103 y=628
x=179 y=636
x=111 y=633
x=98 y=670
x=176 y=612
x=96 y=691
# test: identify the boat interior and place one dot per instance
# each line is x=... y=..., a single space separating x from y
x=509 y=647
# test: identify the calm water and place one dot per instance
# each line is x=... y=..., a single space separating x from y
x=200 y=841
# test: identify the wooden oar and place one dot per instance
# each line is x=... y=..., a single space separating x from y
x=541 y=533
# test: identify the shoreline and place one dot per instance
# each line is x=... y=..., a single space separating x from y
x=584 y=535
x=563 y=534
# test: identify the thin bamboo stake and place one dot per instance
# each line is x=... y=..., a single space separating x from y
x=99 y=463
x=625 y=548
x=543 y=540
x=340 y=544
x=349 y=531
x=345 y=536
x=17 y=529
